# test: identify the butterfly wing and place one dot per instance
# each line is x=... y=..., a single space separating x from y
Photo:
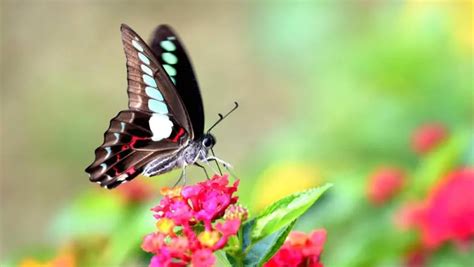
x=171 y=54
x=156 y=124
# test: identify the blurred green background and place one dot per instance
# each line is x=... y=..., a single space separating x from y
x=328 y=92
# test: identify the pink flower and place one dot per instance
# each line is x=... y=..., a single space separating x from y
x=153 y=242
x=209 y=199
x=300 y=250
x=228 y=228
x=448 y=212
x=427 y=137
x=286 y=256
x=384 y=184
x=203 y=258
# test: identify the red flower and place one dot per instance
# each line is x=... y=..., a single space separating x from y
x=447 y=213
x=181 y=238
x=427 y=137
x=384 y=184
x=300 y=250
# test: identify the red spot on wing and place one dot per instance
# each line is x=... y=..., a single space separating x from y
x=130 y=170
x=178 y=135
x=135 y=139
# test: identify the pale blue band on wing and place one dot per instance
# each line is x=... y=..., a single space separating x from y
x=167 y=45
x=169 y=69
x=146 y=69
x=149 y=80
x=143 y=58
x=157 y=106
x=153 y=93
x=169 y=58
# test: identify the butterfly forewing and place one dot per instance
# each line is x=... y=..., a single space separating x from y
x=149 y=87
x=156 y=126
x=171 y=54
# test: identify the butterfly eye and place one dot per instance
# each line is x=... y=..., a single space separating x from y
x=208 y=142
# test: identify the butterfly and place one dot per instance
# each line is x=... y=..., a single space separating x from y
x=163 y=127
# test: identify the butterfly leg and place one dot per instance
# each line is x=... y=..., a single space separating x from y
x=181 y=177
x=203 y=168
x=217 y=163
x=226 y=165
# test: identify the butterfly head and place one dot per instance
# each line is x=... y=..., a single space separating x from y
x=208 y=141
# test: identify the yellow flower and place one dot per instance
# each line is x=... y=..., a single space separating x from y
x=209 y=238
x=171 y=192
x=283 y=179
x=33 y=263
x=165 y=225
x=457 y=15
x=64 y=259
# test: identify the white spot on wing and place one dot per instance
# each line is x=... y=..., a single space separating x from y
x=146 y=69
x=122 y=177
x=143 y=58
x=109 y=151
x=137 y=46
x=160 y=126
x=103 y=166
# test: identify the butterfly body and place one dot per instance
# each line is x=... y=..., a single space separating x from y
x=194 y=152
x=163 y=127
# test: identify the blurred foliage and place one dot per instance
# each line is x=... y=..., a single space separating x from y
x=329 y=92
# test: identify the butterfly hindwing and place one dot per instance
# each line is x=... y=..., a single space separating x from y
x=171 y=54
x=128 y=146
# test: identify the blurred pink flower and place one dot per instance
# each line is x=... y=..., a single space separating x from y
x=427 y=137
x=384 y=184
x=187 y=227
x=203 y=258
x=300 y=250
x=138 y=191
x=448 y=212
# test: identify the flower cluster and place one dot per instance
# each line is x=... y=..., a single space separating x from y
x=384 y=184
x=447 y=213
x=193 y=222
x=301 y=250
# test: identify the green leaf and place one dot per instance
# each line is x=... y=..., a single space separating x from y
x=221 y=259
x=285 y=211
x=260 y=252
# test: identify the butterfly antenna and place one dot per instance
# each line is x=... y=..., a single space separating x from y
x=217 y=163
x=222 y=117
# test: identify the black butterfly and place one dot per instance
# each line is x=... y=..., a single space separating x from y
x=163 y=128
